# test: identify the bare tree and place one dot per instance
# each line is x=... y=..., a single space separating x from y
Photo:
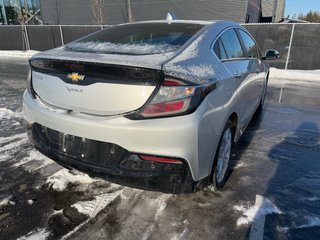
x=129 y=11
x=57 y=11
x=97 y=12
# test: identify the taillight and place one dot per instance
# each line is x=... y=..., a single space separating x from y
x=174 y=97
x=29 y=84
x=160 y=159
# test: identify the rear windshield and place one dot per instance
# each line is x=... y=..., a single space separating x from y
x=137 y=39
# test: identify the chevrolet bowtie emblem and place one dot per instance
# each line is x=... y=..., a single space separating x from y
x=75 y=77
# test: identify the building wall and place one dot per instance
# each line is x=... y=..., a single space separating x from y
x=273 y=9
x=254 y=10
x=79 y=11
x=280 y=10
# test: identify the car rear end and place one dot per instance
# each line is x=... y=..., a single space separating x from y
x=102 y=105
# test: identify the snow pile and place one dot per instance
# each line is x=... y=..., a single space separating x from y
x=62 y=178
x=39 y=234
x=26 y=54
x=7 y=114
x=311 y=75
x=262 y=207
x=92 y=208
x=107 y=47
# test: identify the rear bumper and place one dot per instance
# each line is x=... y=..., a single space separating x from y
x=112 y=162
x=177 y=137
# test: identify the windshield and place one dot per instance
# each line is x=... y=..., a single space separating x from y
x=137 y=39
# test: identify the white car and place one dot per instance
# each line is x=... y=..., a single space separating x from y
x=156 y=105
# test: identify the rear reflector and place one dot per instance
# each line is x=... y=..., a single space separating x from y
x=159 y=159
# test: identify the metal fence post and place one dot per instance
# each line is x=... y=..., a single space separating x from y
x=290 y=45
x=26 y=38
x=61 y=35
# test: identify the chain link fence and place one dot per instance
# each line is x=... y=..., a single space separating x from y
x=297 y=43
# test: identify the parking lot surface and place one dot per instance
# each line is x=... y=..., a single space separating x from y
x=273 y=191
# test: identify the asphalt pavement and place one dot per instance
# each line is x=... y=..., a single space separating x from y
x=273 y=191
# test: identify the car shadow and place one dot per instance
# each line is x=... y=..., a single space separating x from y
x=293 y=193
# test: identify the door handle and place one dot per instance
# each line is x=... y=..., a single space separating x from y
x=237 y=75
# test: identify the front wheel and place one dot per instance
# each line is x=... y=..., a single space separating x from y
x=263 y=97
x=223 y=157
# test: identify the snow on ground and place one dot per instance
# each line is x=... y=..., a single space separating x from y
x=6 y=113
x=62 y=178
x=39 y=234
x=93 y=207
x=21 y=54
x=7 y=201
x=311 y=222
x=294 y=77
x=262 y=207
x=34 y=155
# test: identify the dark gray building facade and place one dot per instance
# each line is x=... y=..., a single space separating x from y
x=79 y=12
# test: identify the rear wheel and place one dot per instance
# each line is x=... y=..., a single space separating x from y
x=223 y=157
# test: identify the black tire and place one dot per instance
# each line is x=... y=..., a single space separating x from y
x=219 y=178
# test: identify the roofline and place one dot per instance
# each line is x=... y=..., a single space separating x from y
x=201 y=22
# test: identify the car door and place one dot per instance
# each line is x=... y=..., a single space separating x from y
x=242 y=73
x=256 y=81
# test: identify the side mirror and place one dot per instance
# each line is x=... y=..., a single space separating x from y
x=271 y=54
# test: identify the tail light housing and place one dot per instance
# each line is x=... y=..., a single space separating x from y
x=174 y=98
x=29 y=84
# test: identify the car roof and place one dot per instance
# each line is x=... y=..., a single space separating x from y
x=200 y=22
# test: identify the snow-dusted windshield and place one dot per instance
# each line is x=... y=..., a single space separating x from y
x=137 y=39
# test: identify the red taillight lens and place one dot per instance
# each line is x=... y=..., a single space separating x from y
x=175 y=97
x=165 y=108
x=159 y=159
x=173 y=82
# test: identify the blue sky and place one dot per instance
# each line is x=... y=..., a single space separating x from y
x=301 y=6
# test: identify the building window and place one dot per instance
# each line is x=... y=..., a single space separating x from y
x=20 y=12
x=247 y=18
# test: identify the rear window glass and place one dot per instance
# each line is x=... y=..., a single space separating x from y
x=138 y=39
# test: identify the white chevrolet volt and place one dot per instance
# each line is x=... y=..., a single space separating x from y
x=156 y=105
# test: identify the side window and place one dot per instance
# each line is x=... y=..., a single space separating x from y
x=219 y=50
x=250 y=45
x=232 y=44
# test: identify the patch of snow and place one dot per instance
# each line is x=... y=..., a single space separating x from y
x=191 y=51
x=108 y=47
x=34 y=155
x=297 y=77
x=92 y=208
x=62 y=178
x=39 y=234
x=311 y=222
x=14 y=53
x=9 y=145
x=30 y=201
x=11 y=138
x=198 y=71
x=154 y=60
x=7 y=114
x=313 y=199
x=262 y=207
x=240 y=165
x=6 y=201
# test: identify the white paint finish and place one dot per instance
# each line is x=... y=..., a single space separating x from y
x=97 y=98
x=175 y=137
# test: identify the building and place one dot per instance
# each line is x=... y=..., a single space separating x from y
x=115 y=11
x=272 y=10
